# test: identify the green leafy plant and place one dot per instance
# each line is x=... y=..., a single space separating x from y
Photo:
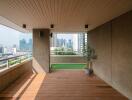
x=64 y=51
x=89 y=55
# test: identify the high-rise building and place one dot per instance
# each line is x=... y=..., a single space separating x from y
x=1 y=49
x=70 y=44
x=23 y=45
x=75 y=42
x=6 y=50
x=26 y=46
x=82 y=38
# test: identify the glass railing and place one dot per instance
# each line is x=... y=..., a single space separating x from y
x=7 y=62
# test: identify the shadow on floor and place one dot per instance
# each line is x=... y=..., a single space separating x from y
x=18 y=87
x=61 y=85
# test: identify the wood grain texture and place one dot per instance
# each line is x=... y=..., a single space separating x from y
x=60 y=85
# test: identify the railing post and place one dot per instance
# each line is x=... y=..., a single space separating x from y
x=20 y=59
x=7 y=63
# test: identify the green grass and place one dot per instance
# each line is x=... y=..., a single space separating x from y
x=68 y=66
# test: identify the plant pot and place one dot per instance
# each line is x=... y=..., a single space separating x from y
x=88 y=71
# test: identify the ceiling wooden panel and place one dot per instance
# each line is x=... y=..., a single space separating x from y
x=67 y=15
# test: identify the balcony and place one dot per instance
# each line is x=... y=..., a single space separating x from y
x=106 y=26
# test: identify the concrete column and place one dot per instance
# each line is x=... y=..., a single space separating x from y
x=41 y=50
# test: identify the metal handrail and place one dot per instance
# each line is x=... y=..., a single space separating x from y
x=7 y=60
x=11 y=57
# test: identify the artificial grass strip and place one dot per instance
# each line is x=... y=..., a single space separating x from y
x=68 y=66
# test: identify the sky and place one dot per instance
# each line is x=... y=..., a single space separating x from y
x=65 y=36
x=9 y=36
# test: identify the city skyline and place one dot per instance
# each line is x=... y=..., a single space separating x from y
x=10 y=37
x=73 y=41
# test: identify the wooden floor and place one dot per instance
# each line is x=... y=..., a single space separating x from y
x=60 y=85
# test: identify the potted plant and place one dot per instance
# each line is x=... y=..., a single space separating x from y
x=89 y=55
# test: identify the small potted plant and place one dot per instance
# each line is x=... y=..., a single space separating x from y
x=89 y=55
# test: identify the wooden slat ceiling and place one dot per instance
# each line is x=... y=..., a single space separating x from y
x=66 y=15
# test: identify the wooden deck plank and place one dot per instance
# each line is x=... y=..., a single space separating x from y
x=60 y=85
